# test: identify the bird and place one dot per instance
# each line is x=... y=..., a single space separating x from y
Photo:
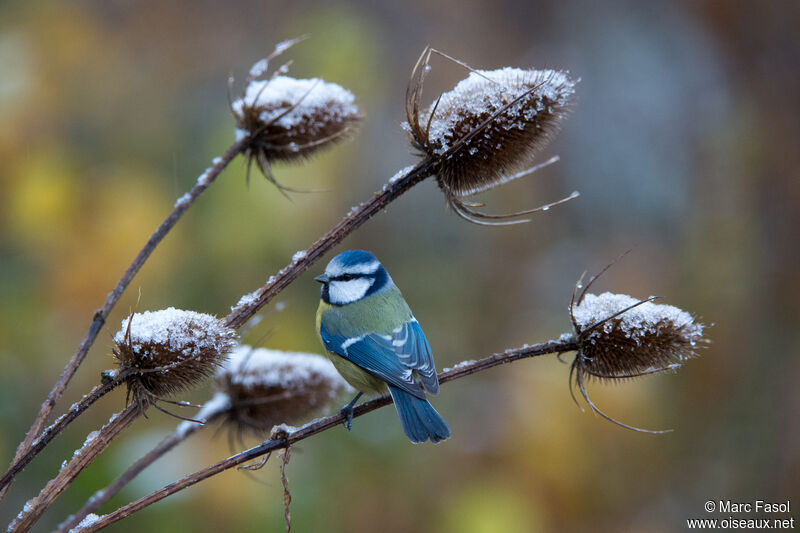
x=375 y=343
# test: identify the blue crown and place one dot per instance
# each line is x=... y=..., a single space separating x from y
x=355 y=257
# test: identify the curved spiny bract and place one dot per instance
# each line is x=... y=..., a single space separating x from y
x=623 y=337
x=620 y=337
x=288 y=119
x=488 y=127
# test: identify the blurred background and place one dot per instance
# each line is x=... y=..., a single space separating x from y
x=683 y=144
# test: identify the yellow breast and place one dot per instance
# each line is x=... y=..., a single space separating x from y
x=358 y=378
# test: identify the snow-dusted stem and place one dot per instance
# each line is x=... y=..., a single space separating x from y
x=565 y=344
x=113 y=297
x=62 y=422
x=95 y=443
x=184 y=431
x=390 y=192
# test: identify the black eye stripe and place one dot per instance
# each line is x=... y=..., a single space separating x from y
x=347 y=277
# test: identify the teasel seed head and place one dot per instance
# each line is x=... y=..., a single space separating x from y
x=488 y=128
x=270 y=387
x=288 y=119
x=620 y=337
x=167 y=351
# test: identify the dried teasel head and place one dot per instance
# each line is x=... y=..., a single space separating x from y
x=269 y=387
x=488 y=129
x=620 y=337
x=287 y=119
x=163 y=352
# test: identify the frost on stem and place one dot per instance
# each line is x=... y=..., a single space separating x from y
x=288 y=119
x=488 y=128
x=269 y=387
x=85 y=523
x=163 y=352
x=620 y=337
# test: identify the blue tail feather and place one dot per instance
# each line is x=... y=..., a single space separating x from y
x=419 y=419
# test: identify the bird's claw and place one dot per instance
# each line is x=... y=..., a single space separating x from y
x=347 y=411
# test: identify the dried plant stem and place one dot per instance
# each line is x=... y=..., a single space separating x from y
x=390 y=192
x=287 y=496
x=103 y=495
x=63 y=421
x=113 y=297
x=93 y=446
x=565 y=344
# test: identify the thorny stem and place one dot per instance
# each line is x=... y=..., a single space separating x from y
x=113 y=297
x=103 y=495
x=285 y=440
x=80 y=460
x=62 y=422
x=390 y=192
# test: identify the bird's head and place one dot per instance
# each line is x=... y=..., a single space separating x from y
x=352 y=276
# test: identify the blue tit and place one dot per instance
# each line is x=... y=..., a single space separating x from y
x=373 y=339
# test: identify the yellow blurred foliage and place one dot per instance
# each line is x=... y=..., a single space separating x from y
x=41 y=202
x=84 y=232
x=491 y=506
x=123 y=209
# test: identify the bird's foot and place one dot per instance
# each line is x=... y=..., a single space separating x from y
x=347 y=411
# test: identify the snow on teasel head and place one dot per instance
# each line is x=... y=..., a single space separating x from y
x=286 y=118
x=620 y=337
x=490 y=126
x=163 y=352
x=270 y=387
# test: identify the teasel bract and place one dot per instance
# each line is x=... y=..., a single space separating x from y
x=288 y=119
x=163 y=352
x=270 y=387
x=620 y=337
x=488 y=129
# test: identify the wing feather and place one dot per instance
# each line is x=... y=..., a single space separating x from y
x=414 y=352
x=376 y=354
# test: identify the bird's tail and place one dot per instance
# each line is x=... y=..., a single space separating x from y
x=420 y=420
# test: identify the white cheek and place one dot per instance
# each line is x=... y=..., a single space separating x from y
x=345 y=292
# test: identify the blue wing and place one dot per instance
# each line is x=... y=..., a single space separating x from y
x=414 y=352
x=392 y=358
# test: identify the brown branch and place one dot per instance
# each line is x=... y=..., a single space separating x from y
x=390 y=192
x=82 y=457
x=284 y=440
x=113 y=297
x=186 y=429
x=49 y=434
